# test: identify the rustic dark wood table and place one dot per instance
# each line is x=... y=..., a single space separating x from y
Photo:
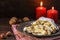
x=4 y=27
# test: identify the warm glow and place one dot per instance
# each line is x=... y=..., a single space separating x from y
x=53 y=8
x=41 y=3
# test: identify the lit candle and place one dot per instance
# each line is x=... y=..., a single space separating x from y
x=40 y=11
x=53 y=14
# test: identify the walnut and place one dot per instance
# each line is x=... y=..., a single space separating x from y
x=19 y=20
x=13 y=20
x=8 y=34
x=26 y=19
x=2 y=36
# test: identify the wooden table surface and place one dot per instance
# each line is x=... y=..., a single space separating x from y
x=4 y=27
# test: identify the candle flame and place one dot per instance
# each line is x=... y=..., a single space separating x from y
x=41 y=3
x=53 y=8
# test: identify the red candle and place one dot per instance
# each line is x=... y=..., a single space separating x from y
x=40 y=11
x=53 y=14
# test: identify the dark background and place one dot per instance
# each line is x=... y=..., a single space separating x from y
x=22 y=8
